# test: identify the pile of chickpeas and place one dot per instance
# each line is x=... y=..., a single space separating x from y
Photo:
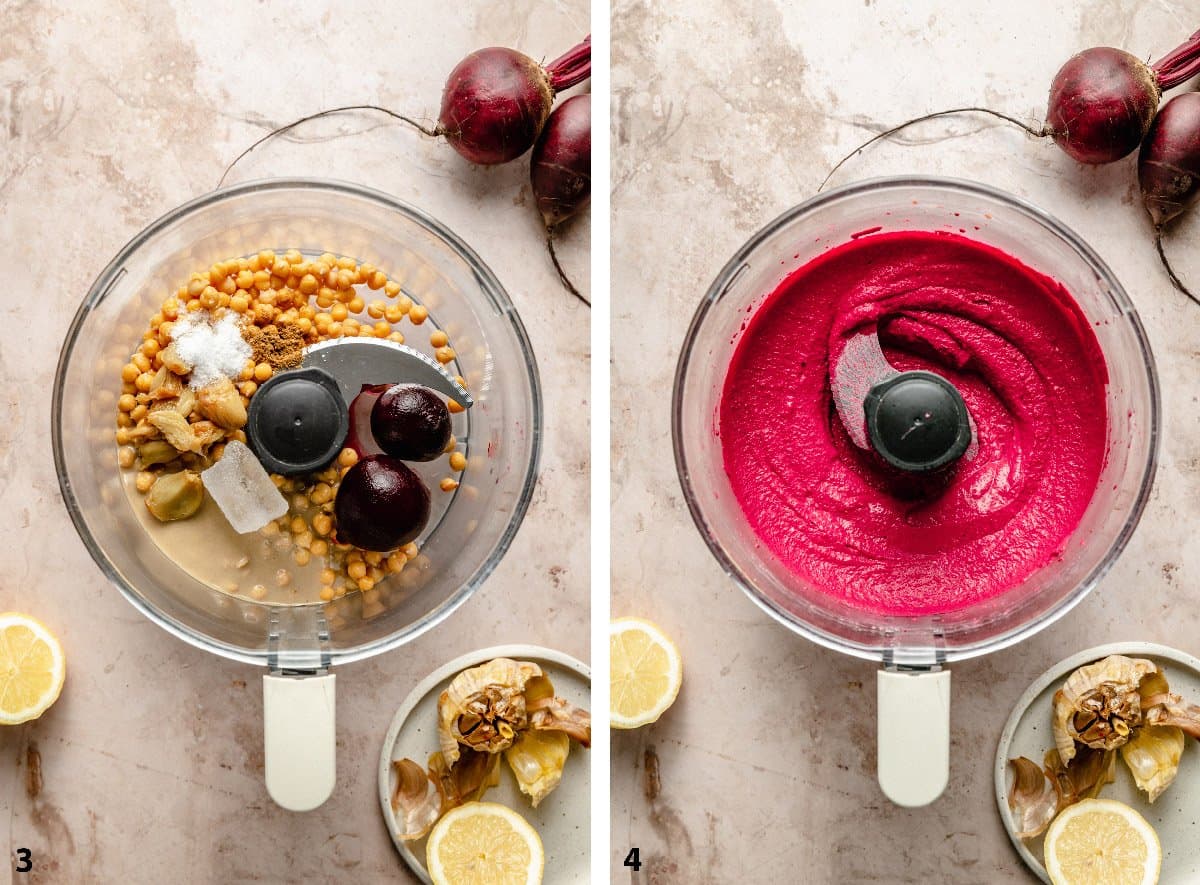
x=318 y=297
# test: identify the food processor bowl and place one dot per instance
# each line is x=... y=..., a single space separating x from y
x=913 y=686
x=501 y=434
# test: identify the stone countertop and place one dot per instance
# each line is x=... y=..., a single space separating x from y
x=112 y=113
x=727 y=112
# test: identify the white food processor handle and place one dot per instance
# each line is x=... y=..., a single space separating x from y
x=914 y=735
x=298 y=736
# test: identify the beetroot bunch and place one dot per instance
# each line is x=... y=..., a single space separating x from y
x=1103 y=104
x=496 y=105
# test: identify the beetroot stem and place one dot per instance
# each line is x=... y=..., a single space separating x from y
x=1179 y=65
x=1162 y=256
x=562 y=274
x=290 y=126
x=1036 y=133
x=571 y=68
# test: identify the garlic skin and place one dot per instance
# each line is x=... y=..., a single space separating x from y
x=1033 y=798
x=417 y=801
x=537 y=759
x=1153 y=756
x=1099 y=705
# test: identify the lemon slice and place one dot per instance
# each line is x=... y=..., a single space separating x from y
x=1102 y=842
x=645 y=671
x=32 y=668
x=482 y=843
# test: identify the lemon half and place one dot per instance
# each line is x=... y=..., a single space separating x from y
x=1102 y=842
x=482 y=843
x=32 y=668
x=645 y=672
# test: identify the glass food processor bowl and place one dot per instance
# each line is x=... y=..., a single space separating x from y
x=501 y=434
x=916 y=646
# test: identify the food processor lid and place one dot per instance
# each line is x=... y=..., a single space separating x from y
x=297 y=421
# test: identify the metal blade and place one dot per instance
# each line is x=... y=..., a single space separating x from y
x=859 y=367
x=358 y=361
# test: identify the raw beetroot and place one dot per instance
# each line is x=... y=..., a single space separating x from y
x=561 y=171
x=496 y=100
x=1169 y=169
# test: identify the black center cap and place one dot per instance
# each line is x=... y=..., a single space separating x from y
x=917 y=421
x=297 y=421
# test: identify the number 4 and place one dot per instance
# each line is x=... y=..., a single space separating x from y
x=633 y=859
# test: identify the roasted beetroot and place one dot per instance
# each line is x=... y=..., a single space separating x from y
x=381 y=504
x=411 y=422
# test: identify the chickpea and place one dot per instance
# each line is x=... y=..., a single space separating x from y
x=393 y=314
x=127 y=402
x=458 y=462
x=355 y=305
x=228 y=285
x=297 y=525
x=410 y=549
x=404 y=303
x=245 y=279
x=328 y=576
x=247 y=388
x=304 y=539
x=150 y=347
x=339 y=312
x=439 y=339
x=126 y=456
x=283 y=577
x=448 y=484
x=258 y=591
x=262 y=372
x=391 y=289
x=376 y=310
x=365 y=584
x=141 y=361
x=445 y=354
x=373 y=557
x=356 y=570
x=144 y=480
x=452 y=445
x=300 y=502
x=326 y=594
x=143 y=382
x=347 y=457
x=129 y=373
x=322 y=524
x=139 y=412
x=293 y=256
x=319 y=547
x=453 y=406
x=322 y=493
x=302 y=556
x=396 y=562
x=122 y=436
x=194 y=288
x=418 y=314
x=308 y=284
x=376 y=280
x=397 y=337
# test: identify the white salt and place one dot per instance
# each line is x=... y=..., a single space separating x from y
x=243 y=489
x=213 y=350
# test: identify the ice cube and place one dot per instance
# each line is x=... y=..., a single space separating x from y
x=243 y=489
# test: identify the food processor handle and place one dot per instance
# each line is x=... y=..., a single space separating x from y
x=298 y=737
x=914 y=735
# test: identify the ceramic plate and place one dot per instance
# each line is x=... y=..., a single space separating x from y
x=562 y=819
x=1175 y=816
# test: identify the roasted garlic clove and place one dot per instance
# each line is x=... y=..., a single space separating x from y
x=1033 y=797
x=206 y=433
x=186 y=403
x=484 y=707
x=175 y=429
x=175 y=496
x=166 y=385
x=1099 y=705
x=221 y=403
x=1084 y=776
x=156 y=452
x=537 y=759
x=1153 y=755
x=417 y=800
x=172 y=360
x=1171 y=709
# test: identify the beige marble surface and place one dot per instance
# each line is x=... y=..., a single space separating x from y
x=726 y=112
x=112 y=113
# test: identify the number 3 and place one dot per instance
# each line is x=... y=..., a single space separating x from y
x=24 y=860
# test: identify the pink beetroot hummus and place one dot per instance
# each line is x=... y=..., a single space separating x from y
x=1029 y=368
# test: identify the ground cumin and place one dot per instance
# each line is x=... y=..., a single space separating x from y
x=280 y=346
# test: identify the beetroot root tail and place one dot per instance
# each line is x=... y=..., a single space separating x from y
x=1036 y=133
x=562 y=274
x=1175 y=281
x=424 y=130
x=571 y=68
